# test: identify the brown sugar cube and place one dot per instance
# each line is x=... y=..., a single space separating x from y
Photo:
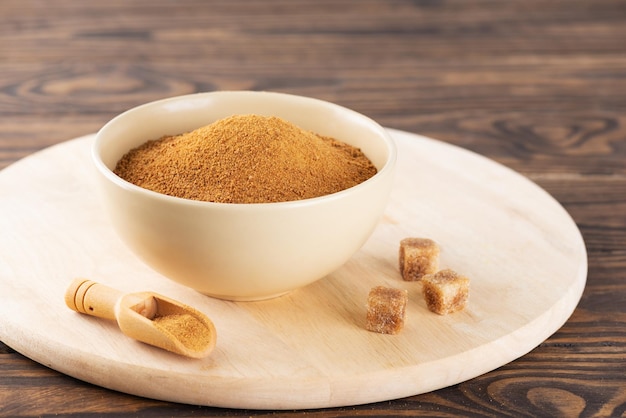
x=418 y=257
x=445 y=291
x=386 y=310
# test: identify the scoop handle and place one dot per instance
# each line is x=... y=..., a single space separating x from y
x=91 y=298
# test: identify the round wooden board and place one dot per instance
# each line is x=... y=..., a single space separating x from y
x=309 y=349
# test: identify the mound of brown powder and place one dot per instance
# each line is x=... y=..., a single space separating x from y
x=246 y=159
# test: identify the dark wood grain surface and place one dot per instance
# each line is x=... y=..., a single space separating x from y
x=539 y=86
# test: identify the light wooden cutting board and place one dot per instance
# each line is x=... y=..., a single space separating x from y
x=309 y=349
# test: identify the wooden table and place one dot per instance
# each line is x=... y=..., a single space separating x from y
x=537 y=86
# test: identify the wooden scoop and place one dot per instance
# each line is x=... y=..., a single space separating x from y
x=146 y=317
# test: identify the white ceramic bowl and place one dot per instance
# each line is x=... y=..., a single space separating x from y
x=243 y=251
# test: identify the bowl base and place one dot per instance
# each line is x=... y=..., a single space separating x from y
x=245 y=298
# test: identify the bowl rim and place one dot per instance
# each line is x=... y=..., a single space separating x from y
x=388 y=165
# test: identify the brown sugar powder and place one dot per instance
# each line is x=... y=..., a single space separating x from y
x=187 y=329
x=246 y=159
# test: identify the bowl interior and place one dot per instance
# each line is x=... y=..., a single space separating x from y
x=186 y=113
